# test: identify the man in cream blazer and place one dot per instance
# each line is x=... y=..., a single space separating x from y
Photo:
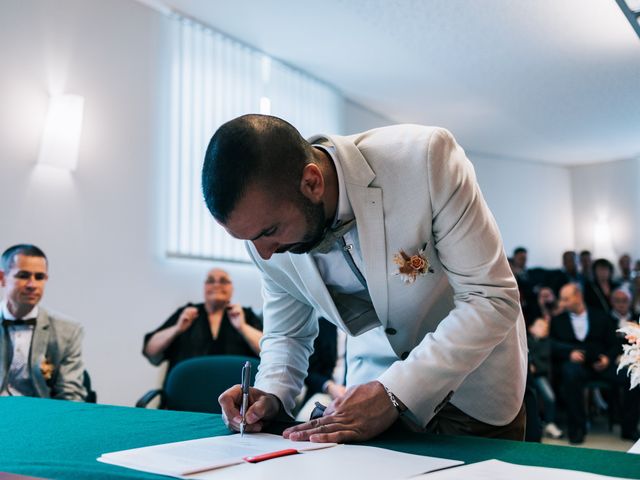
x=444 y=340
x=40 y=352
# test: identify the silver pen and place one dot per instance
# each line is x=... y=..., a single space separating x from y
x=246 y=378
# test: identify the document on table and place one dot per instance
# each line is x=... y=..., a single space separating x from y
x=184 y=458
x=497 y=470
x=354 y=462
x=205 y=458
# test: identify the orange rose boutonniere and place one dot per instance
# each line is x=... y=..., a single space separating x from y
x=410 y=267
x=46 y=368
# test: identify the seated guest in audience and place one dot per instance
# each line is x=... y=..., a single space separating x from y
x=583 y=348
x=630 y=412
x=624 y=265
x=621 y=308
x=548 y=304
x=556 y=279
x=570 y=268
x=597 y=292
x=215 y=327
x=539 y=369
x=323 y=362
x=41 y=353
x=635 y=294
x=528 y=301
x=585 y=266
x=326 y=373
x=519 y=259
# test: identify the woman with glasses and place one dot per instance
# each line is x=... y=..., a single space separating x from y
x=214 y=327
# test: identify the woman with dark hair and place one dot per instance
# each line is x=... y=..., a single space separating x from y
x=597 y=291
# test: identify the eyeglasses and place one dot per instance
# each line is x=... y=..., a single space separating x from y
x=221 y=281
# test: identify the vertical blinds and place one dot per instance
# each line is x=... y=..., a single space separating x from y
x=214 y=79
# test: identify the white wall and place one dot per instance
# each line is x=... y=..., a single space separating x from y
x=102 y=225
x=359 y=119
x=609 y=192
x=532 y=205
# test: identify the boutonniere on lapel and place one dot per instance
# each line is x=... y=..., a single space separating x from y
x=46 y=368
x=410 y=267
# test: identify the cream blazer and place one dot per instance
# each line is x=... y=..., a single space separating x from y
x=455 y=334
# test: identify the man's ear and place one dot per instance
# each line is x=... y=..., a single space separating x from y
x=2 y=278
x=312 y=182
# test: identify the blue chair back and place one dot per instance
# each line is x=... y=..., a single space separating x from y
x=194 y=385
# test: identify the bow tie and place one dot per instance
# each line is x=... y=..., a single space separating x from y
x=331 y=236
x=15 y=323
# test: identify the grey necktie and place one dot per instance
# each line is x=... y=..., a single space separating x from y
x=331 y=236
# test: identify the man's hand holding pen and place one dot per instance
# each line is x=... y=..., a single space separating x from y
x=360 y=414
x=262 y=407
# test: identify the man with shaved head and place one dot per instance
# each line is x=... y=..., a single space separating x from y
x=583 y=348
x=387 y=235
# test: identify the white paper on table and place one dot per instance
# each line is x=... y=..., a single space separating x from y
x=353 y=462
x=498 y=470
x=635 y=448
x=181 y=458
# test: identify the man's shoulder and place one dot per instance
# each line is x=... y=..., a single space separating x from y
x=59 y=321
x=561 y=317
x=596 y=315
x=388 y=137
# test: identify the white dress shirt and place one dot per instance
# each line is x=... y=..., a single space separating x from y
x=580 y=324
x=333 y=268
x=622 y=319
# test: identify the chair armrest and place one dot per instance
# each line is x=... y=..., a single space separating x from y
x=149 y=396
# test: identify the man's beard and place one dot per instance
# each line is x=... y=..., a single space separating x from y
x=316 y=225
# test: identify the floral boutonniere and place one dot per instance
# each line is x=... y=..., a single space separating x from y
x=631 y=353
x=46 y=368
x=410 y=267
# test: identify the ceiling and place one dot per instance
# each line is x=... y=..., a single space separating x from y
x=553 y=81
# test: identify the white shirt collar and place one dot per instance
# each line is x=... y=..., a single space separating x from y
x=344 y=212
x=6 y=314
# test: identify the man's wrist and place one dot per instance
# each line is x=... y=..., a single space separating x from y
x=395 y=401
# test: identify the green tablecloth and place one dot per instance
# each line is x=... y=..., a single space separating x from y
x=58 y=439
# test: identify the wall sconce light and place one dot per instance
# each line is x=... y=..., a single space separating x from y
x=61 y=137
x=265 y=106
x=603 y=239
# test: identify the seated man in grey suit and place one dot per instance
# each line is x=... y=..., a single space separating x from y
x=385 y=234
x=41 y=353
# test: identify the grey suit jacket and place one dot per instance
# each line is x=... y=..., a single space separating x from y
x=60 y=343
x=457 y=333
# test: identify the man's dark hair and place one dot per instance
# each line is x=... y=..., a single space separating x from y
x=518 y=250
x=584 y=253
x=252 y=150
x=602 y=262
x=8 y=257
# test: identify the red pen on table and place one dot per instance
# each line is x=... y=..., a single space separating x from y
x=270 y=455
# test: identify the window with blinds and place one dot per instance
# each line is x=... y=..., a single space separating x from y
x=214 y=79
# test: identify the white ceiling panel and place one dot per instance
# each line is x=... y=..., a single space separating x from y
x=546 y=80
